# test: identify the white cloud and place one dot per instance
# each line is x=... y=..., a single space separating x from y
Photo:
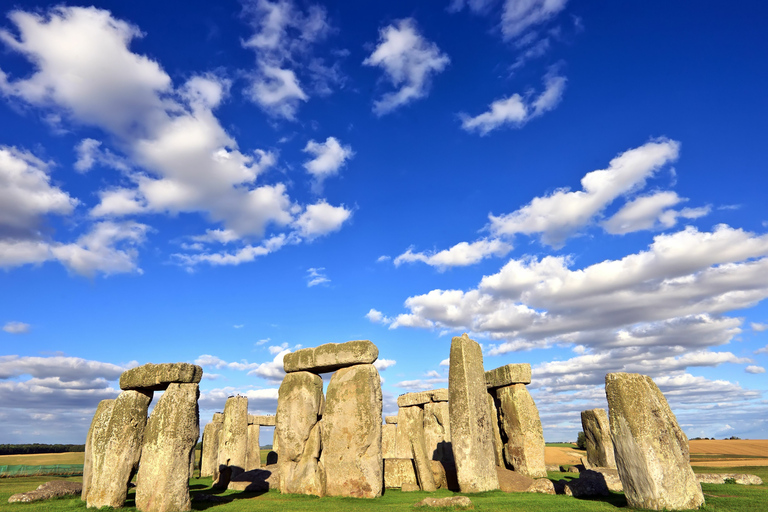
x=320 y=219
x=650 y=212
x=763 y=350
x=383 y=258
x=754 y=369
x=272 y=371
x=65 y=369
x=316 y=276
x=377 y=317
x=445 y=362
x=89 y=153
x=119 y=202
x=277 y=91
x=561 y=214
x=516 y=110
x=433 y=381
x=409 y=62
x=329 y=157
x=460 y=255
x=383 y=364
x=276 y=349
x=16 y=327
x=759 y=327
x=519 y=16
x=222 y=236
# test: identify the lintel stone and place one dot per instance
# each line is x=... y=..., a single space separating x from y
x=264 y=421
x=157 y=377
x=390 y=420
x=331 y=357
x=519 y=373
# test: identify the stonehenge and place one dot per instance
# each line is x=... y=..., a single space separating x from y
x=597 y=432
x=122 y=441
x=651 y=450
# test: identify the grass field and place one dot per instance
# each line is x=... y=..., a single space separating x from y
x=41 y=459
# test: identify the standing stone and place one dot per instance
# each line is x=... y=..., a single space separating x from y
x=398 y=472
x=297 y=434
x=162 y=484
x=414 y=424
x=597 y=431
x=210 y=454
x=352 y=433
x=471 y=431
x=402 y=441
x=388 y=440
x=520 y=421
x=95 y=441
x=331 y=357
x=233 y=443
x=498 y=445
x=253 y=458
x=114 y=466
x=651 y=450
x=437 y=431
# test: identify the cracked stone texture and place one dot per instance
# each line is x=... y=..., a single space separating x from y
x=597 y=431
x=521 y=427
x=498 y=445
x=398 y=472
x=516 y=373
x=253 y=455
x=413 y=419
x=471 y=429
x=233 y=440
x=331 y=357
x=162 y=483
x=95 y=441
x=651 y=450
x=157 y=377
x=437 y=431
x=352 y=433
x=209 y=458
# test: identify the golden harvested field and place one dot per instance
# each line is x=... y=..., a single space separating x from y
x=42 y=459
x=563 y=455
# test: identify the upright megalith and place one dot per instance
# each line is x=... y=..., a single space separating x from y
x=233 y=443
x=157 y=377
x=413 y=417
x=471 y=432
x=253 y=457
x=597 y=432
x=331 y=356
x=117 y=448
x=437 y=431
x=493 y=412
x=95 y=442
x=297 y=434
x=210 y=453
x=520 y=422
x=351 y=433
x=651 y=450
x=162 y=484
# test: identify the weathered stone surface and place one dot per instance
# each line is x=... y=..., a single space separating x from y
x=720 y=478
x=115 y=463
x=437 y=431
x=331 y=356
x=233 y=441
x=48 y=490
x=210 y=453
x=398 y=472
x=256 y=480
x=410 y=399
x=570 y=468
x=471 y=432
x=402 y=442
x=439 y=395
x=651 y=450
x=589 y=483
x=542 y=486
x=253 y=456
x=611 y=476
x=95 y=441
x=162 y=484
x=594 y=422
x=264 y=421
x=438 y=474
x=390 y=420
x=352 y=433
x=409 y=487
x=414 y=423
x=520 y=423
x=451 y=501
x=507 y=375
x=498 y=445
x=388 y=441
x=512 y=481
x=298 y=433
x=553 y=468
x=156 y=377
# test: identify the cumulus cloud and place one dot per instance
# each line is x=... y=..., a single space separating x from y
x=316 y=276
x=561 y=214
x=460 y=255
x=754 y=369
x=758 y=327
x=377 y=317
x=383 y=364
x=90 y=153
x=63 y=369
x=409 y=62
x=320 y=219
x=329 y=157
x=16 y=327
x=516 y=110
x=650 y=212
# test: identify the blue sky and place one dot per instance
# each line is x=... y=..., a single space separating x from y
x=579 y=186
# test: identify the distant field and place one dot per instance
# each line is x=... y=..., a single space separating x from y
x=729 y=453
x=42 y=459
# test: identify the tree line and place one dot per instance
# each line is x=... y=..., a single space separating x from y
x=22 y=449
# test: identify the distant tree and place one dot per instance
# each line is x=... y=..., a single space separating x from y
x=581 y=441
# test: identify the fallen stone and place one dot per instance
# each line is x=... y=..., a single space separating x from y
x=513 y=481
x=438 y=474
x=331 y=357
x=233 y=442
x=156 y=377
x=570 y=468
x=388 y=440
x=720 y=478
x=409 y=487
x=507 y=375
x=297 y=431
x=398 y=472
x=597 y=431
x=390 y=420
x=498 y=445
x=210 y=453
x=589 y=483
x=162 y=483
x=520 y=424
x=437 y=431
x=651 y=450
x=471 y=432
x=95 y=441
x=264 y=421
x=542 y=486
x=256 y=480
x=452 y=502
x=413 y=420
x=253 y=451
x=48 y=490
x=553 y=468
x=352 y=433
x=115 y=456
x=611 y=476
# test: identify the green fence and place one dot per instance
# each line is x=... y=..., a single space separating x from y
x=52 y=469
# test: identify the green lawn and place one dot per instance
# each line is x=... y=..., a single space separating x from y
x=720 y=498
